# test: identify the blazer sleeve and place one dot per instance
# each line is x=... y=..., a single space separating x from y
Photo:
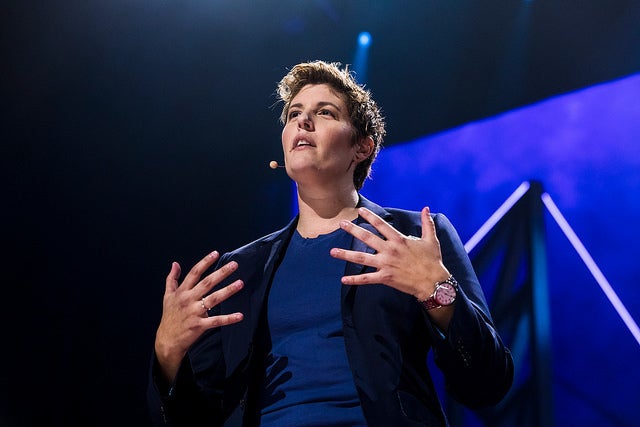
x=188 y=401
x=477 y=366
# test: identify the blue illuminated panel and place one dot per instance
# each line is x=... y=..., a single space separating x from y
x=585 y=149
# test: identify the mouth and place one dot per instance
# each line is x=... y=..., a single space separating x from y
x=299 y=143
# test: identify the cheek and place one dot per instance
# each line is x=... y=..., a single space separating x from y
x=285 y=136
x=344 y=139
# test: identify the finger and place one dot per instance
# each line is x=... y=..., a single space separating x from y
x=193 y=277
x=223 y=320
x=223 y=294
x=428 y=226
x=171 y=283
x=356 y=257
x=379 y=224
x=216 y=277
x=363 y=235
x=362 y=279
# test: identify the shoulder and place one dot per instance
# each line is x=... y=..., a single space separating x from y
x=388 y=213
x=406 y=220
x=403 y=213
x=410 y=222
x=415 y=217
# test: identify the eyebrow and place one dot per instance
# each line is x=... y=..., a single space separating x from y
x=319 y=104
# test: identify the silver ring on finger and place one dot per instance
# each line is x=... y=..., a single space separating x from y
x=204 y=306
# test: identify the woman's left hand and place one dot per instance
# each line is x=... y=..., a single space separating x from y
x=407 y=263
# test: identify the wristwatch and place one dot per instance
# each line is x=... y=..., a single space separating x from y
x=444 y=294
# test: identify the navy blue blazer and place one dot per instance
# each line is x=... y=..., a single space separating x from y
x=387 y=337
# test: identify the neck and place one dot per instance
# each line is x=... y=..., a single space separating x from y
x=321 y=211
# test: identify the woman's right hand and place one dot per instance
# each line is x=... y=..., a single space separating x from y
x=185 y=310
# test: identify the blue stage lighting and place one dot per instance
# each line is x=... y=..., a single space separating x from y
x=364 y=38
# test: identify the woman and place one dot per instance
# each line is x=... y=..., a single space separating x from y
x=329 y=320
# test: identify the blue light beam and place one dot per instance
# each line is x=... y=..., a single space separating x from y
x=496 y=217
x=592 y=266
x=361 y=56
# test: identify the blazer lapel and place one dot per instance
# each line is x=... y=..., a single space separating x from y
x=358 y=245
x=256 y=272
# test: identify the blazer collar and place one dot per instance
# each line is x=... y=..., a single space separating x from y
x=381 y=212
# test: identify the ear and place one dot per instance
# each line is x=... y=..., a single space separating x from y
x=364 y=148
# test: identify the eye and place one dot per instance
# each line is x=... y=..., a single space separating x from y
x=293 y=114
x=325 y=112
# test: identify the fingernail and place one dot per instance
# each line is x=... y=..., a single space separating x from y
x=213 y=254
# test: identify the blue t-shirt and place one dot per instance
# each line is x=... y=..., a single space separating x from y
x=308 y=381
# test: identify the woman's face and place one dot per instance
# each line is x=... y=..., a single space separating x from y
x=318 y=137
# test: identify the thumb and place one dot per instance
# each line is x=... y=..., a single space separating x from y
x=428 y=226
x=172 y=278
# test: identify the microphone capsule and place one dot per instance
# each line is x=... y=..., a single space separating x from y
x=274 y=165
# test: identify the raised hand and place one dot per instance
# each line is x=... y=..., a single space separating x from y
x=407 y=263
x=185 y=310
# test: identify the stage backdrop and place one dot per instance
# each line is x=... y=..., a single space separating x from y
x=585 y=149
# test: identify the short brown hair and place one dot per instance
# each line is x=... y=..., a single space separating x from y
x=365 y=114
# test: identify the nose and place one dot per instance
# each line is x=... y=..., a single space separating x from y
x=305 y=122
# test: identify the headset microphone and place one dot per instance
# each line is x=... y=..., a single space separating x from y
x=274 y=165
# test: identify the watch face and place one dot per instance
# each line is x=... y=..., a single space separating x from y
x=445 y=294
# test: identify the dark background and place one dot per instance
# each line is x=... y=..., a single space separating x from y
x=135 y=133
